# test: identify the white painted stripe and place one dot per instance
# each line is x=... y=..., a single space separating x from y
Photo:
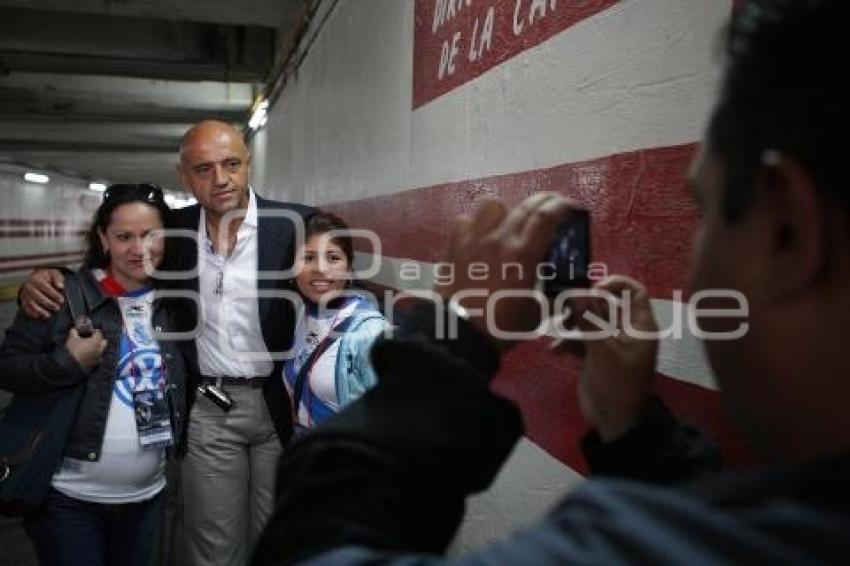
x=641 y=74
x=399 y=273
x=638 y=75
x=681 y=358
x=17 y=277
x=528 y=485
x=9 y=262
x=341 y=128
x=33 y=246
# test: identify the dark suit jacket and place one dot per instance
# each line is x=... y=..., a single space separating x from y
x=275 y=251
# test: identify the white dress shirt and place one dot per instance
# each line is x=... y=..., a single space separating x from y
x=231 y=342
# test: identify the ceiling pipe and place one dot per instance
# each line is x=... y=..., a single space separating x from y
x=287 y=65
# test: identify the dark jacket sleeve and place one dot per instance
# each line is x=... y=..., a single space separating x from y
x=390 y=474
x=392 y=471
x=659 y=449
x=34 y=358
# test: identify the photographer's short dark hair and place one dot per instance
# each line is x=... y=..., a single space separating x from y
x=323 y=222
x=115 y=196
x=782 y=91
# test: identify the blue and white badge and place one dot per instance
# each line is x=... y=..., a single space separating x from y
x=153 y=418
x=136 y=313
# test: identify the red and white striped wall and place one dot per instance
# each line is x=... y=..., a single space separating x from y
x=40 y=225
x=399 y=119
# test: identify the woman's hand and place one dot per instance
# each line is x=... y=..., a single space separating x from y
x=87 y=351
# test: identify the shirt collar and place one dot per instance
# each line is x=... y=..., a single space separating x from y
x=251 y=214
x=249 y=220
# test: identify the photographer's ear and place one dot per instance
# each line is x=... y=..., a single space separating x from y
x=794 y=225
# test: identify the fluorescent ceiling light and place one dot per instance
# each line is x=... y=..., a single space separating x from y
x=36 y=178
x=179 y=201
x=97 y=187
x=260 y=116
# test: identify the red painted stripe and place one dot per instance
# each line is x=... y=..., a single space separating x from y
x=643 y=218
x=643 y=225
x=463 y=29
x=545 y=387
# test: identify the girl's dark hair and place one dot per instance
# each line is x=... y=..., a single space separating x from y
x=323 y=222
x=113 y=197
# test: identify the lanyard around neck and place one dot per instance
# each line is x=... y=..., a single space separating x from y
x=301 y=381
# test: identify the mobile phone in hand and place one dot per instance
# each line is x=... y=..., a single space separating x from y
x=567 y=264
x=83 y=326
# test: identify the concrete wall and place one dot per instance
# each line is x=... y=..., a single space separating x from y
x=605 y=106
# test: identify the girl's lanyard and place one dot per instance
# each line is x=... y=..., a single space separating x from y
x=301 y=392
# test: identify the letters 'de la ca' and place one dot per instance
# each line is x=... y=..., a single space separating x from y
x=458 y=40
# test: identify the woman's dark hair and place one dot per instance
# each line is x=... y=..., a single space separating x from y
x=782 y=91
x=323 y=222
x=113 y=197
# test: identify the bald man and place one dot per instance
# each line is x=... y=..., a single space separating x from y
x=231 y=453
x=229 y=471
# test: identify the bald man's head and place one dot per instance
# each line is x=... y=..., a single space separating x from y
x=215 y=167
x=206 y=129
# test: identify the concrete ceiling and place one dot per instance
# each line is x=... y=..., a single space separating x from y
x=103 y=89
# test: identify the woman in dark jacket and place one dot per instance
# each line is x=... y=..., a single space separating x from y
x=105 y=496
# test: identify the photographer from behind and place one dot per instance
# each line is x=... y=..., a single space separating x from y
x=386 y=480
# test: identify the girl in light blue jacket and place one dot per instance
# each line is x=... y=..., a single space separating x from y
x=330 y=367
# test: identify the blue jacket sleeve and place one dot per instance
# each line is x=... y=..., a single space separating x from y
x=355 y=374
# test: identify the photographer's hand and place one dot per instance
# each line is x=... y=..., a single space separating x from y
x=615 y=386
x=510 y=244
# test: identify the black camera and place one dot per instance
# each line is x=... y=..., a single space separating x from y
x=217 y=395
x=567 y=264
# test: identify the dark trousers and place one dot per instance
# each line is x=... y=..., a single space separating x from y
x=70 y=532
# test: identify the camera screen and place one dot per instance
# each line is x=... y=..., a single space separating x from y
x=568 y=260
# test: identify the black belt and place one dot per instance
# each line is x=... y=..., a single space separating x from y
x=236 y=381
